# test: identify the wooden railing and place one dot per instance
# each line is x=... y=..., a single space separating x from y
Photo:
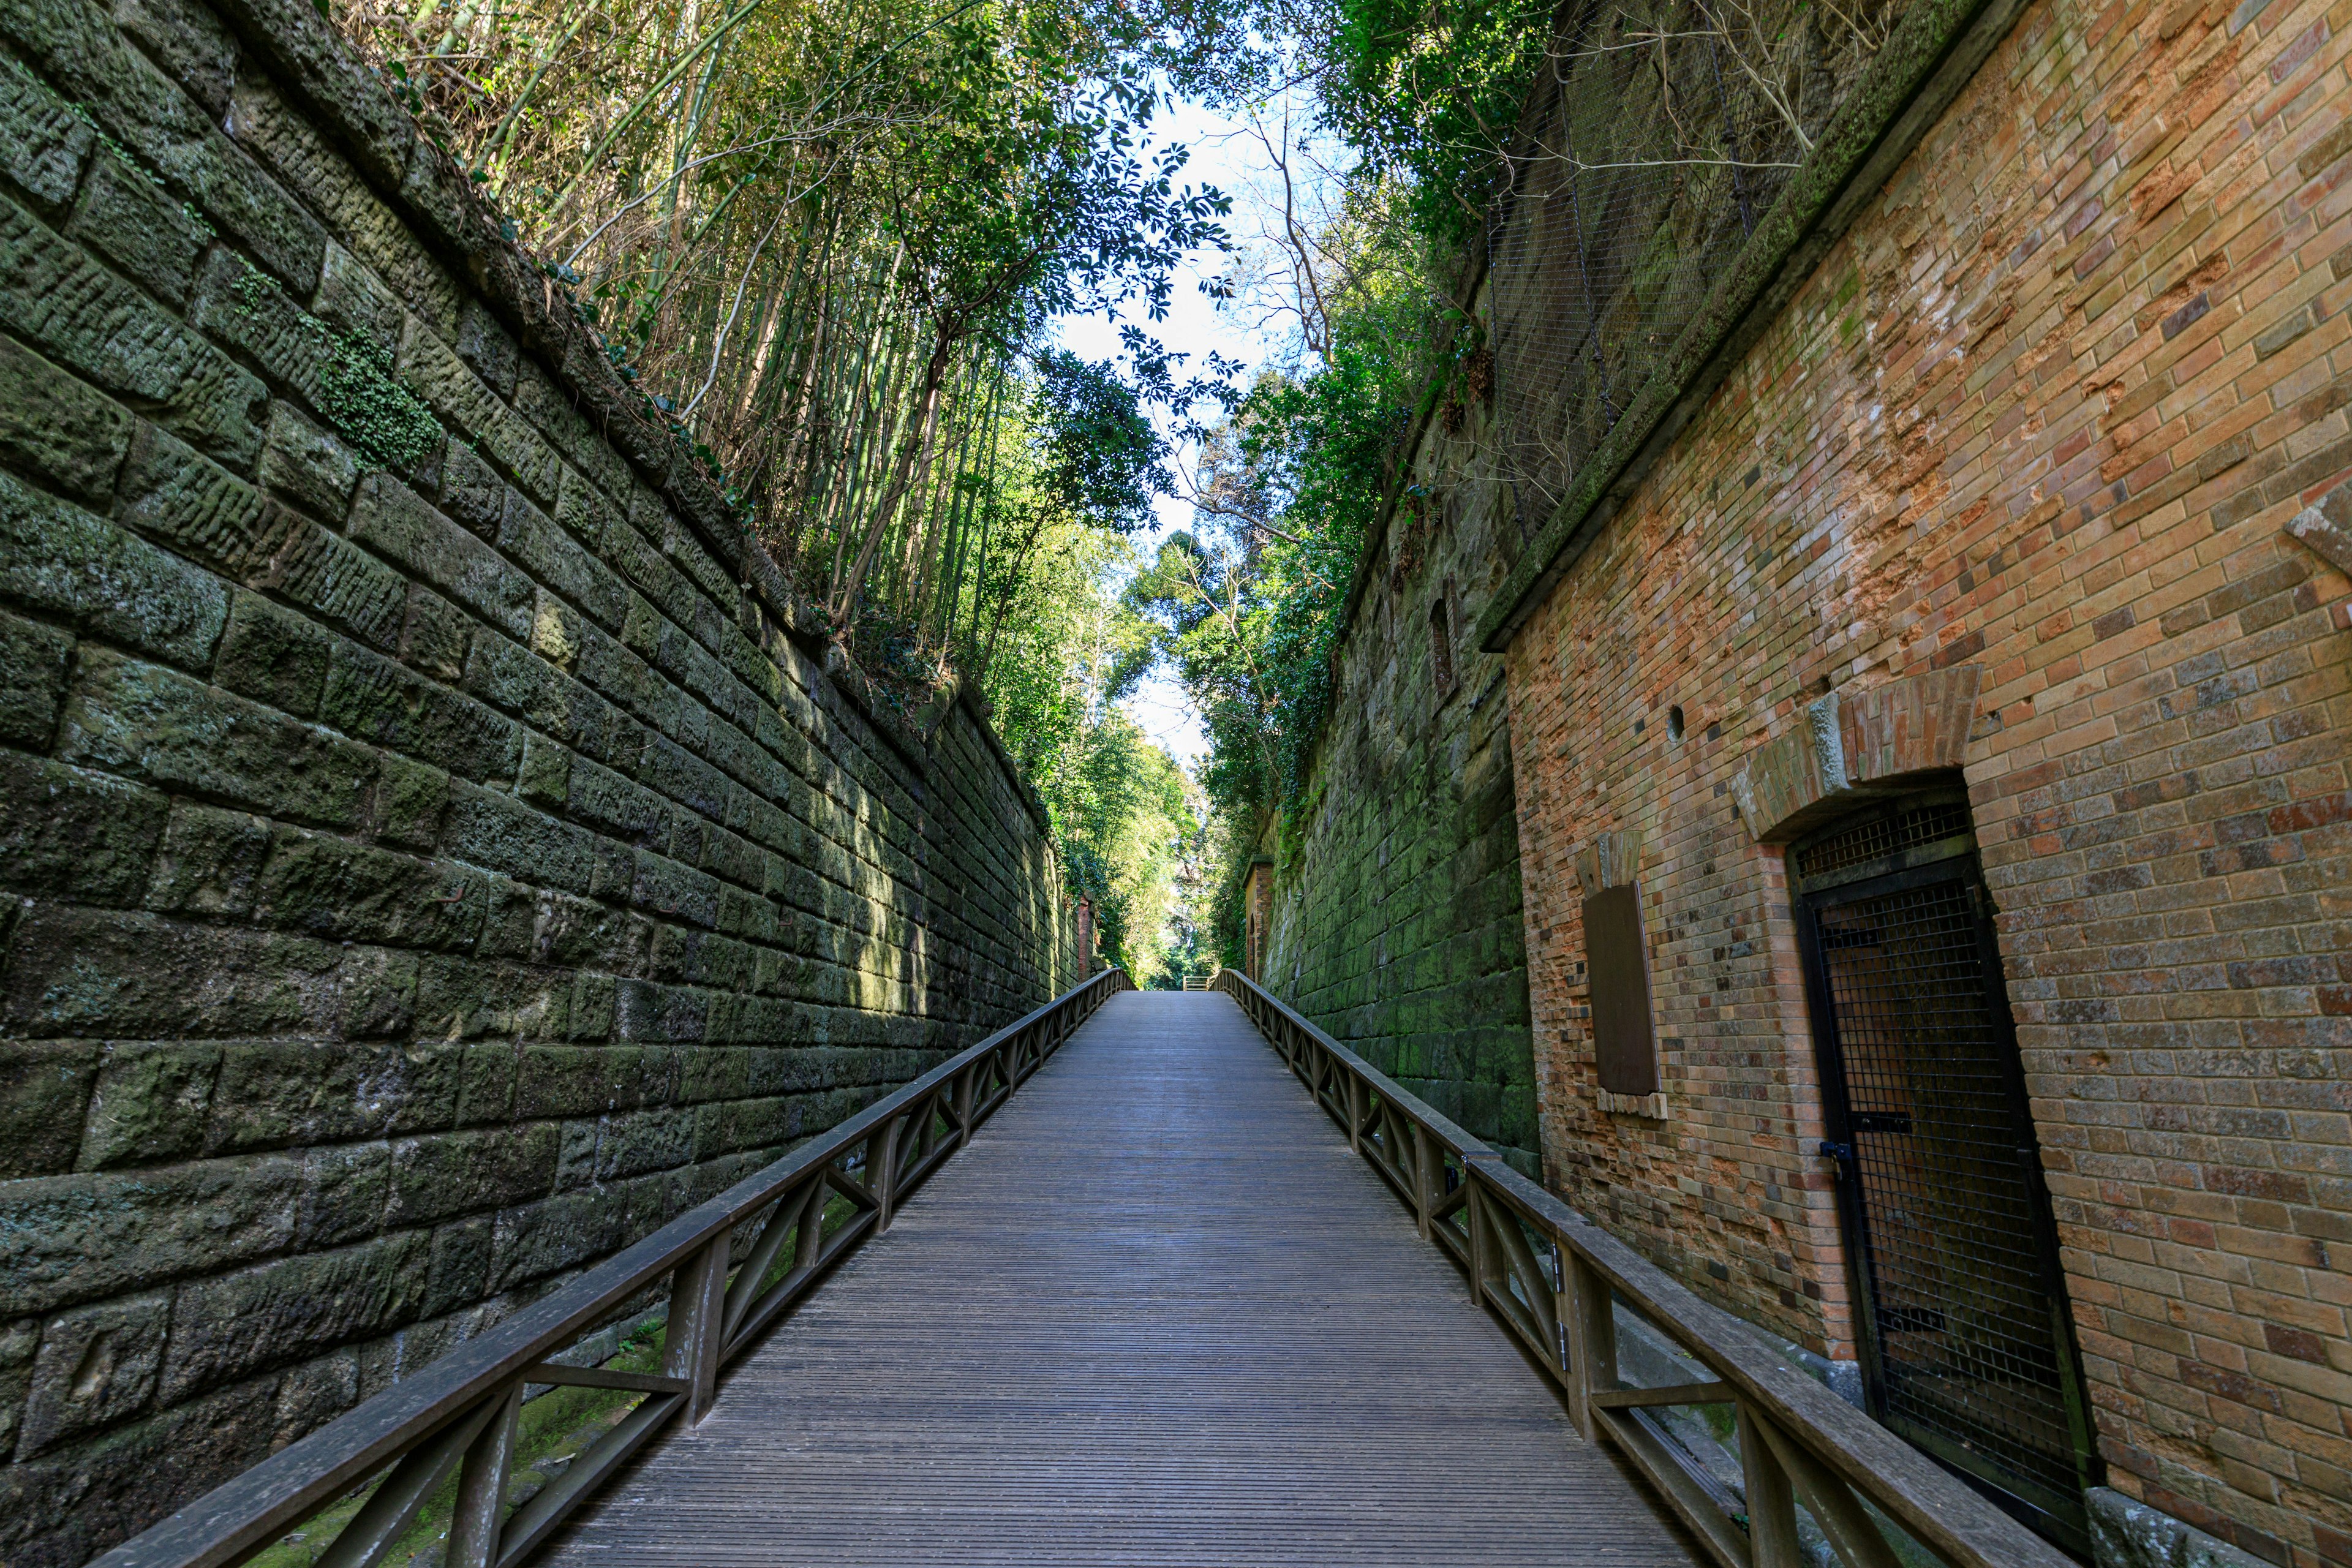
x=736 y=1264
x=1558 y=1282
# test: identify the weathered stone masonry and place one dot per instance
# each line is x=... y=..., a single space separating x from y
x=437 y=847
x=2042 y=415
x=1396 y=922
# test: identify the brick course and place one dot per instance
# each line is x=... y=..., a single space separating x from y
x=439 y=847
x=2046 y=410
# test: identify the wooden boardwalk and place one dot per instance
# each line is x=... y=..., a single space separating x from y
x=1157 y=1313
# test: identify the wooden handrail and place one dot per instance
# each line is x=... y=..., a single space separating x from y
x=1554 y=1279
x=458 y=1414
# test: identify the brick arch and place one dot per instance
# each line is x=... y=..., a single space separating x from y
x=1850 y=747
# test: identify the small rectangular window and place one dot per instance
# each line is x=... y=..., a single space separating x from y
x=1619 y=965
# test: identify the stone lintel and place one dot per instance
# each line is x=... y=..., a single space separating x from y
x=1849 y=747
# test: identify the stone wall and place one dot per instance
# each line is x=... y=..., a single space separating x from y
x=1395 y=908
x=438 y=846
x=2044 y=413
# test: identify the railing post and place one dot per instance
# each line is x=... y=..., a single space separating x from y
x=1481 y=1244
x=1771 y=1500
x=808 y=1243
x=1355 y=1114
x=698 y=1309
x=882 y=1168
x=482 y=1490
x=1592 y=1325
x=963 y=1101
x=1424 y=1180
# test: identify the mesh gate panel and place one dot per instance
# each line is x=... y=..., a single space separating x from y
x=1959 y=1305
x=1877 y=838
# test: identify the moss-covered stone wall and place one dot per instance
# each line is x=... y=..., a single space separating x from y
x=1395 y=922
x=438 y=848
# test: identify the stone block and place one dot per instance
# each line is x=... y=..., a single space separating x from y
x=145 y=233
x=556 y=415
x=59 y=560
x=62 y=1509
x=471 y=491
x=65 y=1239
x=458 y=1173
x=285 y=1311
x=668 y=590
x=432 y=369
x=273 y=655
x=32 y=679
x=151 y=1104
x=58 y=429
x=644 y=1011
x=372 y=698
x=589 y=1080
x=486 y=348
x=97 y=1365
x=329 y=887
x=458 y=1270
x=160 y=727
x=72 y=834
x=555 y=1233
x=354 y=300
x=100 y=973
x=345 y=1187
x=557 y=561
x=686 y=778
x=304 y=1093
x=648 y=1141
x=208 y=862
x=43 y=147
x=410 y=801
x=243 y=310
x=342 y=584
x=500 y=834
x=192 y=44
x=197 y=508
x=466 y=999
x=664 y=889
x=45 y=1087
x=314 y=1393
x=545 y=780
x=487 y=1083
x=18 y=1341
x=393 y=520
x=84 y=318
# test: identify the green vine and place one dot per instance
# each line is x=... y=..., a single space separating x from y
x=388 y=423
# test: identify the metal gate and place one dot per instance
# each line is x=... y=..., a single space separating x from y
x=1968 y=1349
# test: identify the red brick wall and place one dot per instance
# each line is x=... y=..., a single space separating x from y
x=2046 y=410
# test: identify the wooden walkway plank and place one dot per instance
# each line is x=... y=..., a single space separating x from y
x=1157 y=1313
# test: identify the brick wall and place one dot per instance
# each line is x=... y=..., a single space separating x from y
x=438 y=848
x=2045 y=410
x=1395 y=922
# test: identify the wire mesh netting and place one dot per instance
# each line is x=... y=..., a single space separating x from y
x=1959 y=1293
x=1656 y=137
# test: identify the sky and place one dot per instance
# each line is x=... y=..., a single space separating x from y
x=1225 y=155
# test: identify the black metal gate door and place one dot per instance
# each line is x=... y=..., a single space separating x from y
x=1968 y=1350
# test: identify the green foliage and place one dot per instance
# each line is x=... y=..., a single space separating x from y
x=389 y=424
x=1122 y=810
x=1246 y=606
x=1428 y=94
x=1102 y=458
